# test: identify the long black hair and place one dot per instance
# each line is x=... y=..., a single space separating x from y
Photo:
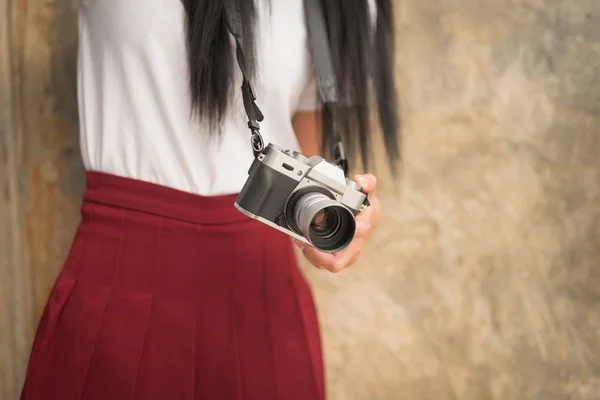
x=363 y=61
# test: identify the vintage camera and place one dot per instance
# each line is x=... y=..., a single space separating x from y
x=309 y=199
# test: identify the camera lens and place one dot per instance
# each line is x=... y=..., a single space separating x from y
x=328 y=225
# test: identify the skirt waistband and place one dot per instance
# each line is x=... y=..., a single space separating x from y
x=160 y=200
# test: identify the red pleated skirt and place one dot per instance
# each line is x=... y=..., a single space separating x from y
x=167 y=295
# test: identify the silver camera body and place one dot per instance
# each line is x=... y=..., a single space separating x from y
x=309 y=199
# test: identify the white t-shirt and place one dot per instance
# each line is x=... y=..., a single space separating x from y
x=134 y=102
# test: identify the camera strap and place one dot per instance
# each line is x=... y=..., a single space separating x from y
x=325 y=75
x=233 y=18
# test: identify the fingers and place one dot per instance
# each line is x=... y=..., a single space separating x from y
x=367 y=182
x=319 y=259
x=363 y=226
x=353 y=259
x=368 y=220
x=331 y=262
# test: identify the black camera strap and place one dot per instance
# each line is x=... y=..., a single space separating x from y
x=234 y=24
x=325 y=75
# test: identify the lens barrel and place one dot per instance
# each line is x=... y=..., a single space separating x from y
x=324 y=222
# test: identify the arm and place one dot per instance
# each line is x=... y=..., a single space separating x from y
x=307 y=126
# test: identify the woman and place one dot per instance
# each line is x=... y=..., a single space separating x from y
x=169 y=292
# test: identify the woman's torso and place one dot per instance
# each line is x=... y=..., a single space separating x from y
x=134 y=99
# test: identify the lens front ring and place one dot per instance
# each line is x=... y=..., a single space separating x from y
x=336 y=231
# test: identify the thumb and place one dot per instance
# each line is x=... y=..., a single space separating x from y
x=367 y=182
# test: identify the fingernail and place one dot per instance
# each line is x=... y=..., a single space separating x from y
x=299 y=244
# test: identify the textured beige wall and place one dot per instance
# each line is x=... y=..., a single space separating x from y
x=484 y=280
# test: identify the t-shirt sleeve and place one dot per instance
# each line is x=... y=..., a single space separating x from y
x=309 y=98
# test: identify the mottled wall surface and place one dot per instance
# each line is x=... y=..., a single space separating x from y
x=484 y=279
x=40 y=168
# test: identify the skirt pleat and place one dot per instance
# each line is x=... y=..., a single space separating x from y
x=65 y=364
x=165 y=341
x=257 y=364
x=121 y=332
x=169 y=295
x=293 y=367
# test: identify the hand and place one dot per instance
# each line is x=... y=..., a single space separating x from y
x=366 y=222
